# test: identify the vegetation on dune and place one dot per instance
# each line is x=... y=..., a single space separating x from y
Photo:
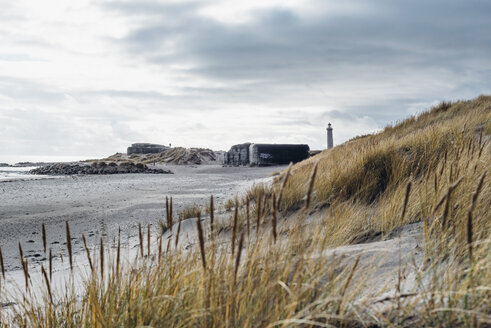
x=431 y=168
x=364 y=179
x=176 y=156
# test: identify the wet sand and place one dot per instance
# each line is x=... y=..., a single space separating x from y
x=98 y=205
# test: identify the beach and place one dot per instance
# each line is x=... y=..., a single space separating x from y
x=97 y=205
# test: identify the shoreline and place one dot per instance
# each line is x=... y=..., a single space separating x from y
x=18 y=173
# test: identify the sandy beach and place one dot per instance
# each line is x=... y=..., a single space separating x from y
x=98 y=205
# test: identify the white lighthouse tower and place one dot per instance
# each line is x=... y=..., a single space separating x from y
x=330 y=142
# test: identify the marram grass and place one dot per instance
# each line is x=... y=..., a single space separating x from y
x=270 y=271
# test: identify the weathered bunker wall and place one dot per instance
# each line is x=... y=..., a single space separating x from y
x=237 y=155
x=146 y=148
x=270 y=154
x=265 y=154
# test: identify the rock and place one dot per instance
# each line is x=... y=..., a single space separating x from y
x=96 y=168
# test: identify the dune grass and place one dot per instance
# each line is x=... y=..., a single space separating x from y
x=432 y=168
x=365 y=178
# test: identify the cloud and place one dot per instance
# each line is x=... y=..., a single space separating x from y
x=27 y=91
x=387 y=51
x=100 y=75
x=279 y=45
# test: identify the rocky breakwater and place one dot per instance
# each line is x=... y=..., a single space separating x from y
x=96 y=168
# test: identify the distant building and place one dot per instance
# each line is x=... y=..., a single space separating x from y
x=146 y=148
x=330 y=142
x=266 y=154
x=237 y=155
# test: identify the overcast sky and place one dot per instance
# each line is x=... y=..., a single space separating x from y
x=84 y=79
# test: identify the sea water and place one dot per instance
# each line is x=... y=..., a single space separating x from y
x=14 y=173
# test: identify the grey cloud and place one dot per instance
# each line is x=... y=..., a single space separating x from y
x=127 y=94
x=391 y=49
x=367 y=67
x=278 y=43
x=150 y=8
x=37 y=132
x=293 y=121
x=124 y=132
x=336 y=114
x=17 y=57
x=26 y=90
x=6 y=14
x=190 y=92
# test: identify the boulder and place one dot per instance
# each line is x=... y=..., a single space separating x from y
x=96 y=168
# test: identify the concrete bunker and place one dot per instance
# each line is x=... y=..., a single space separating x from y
x=266 y=154
x=237 y=155
x=146 y=148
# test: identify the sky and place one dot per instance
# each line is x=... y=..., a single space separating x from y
x=84 y=79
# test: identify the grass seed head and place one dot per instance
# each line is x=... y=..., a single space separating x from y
x=201 y=241
x=87 y=251
x=69 y=245
x=43 y=234
x=1 y=264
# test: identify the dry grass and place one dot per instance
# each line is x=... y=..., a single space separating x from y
x=207 y=287
x=190 y=212
x=363 y=181
x=430 y=168
x=229 y=204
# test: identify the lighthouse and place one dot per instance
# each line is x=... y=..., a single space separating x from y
x=330 y=142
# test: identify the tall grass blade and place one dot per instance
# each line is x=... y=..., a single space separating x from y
x=69 y=245
x=258 y=215
x=48 y=285
x=311 y=185
x=140 y=236
x=447 y=202
x=234 y=227
x=274 y=218
x=51 y=264
x=1 y=264
x=43 y=234
x=406 y=200
x=148 y=240
x=118 y=254
x=178 y=233
x=201 y=241
x=237 y=261
x=171 y=220
x=470 y=214
x=212 y=216
x=167 y=213
x=248 y=219
x=87 y=251
x=101 y=255
x=283 y=186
